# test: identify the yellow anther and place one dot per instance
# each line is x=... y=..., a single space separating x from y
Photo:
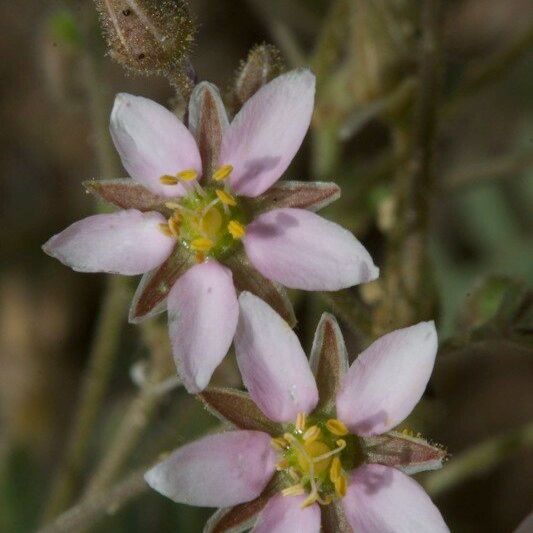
x=300 y=421
x=166 y=230
x=226 y=197
x=200 y=257
x=312 y=498
x=293 y=490
x=336 y=427
x=312 y=434
x=168 y=180
x=340 y=486
x=236 y=229
x=335 y=469
x=282 y=465
x=174 y=226
x=222 y=172
x=172 y=205
x=187 y=175
x=201 y=244
x=279 y=443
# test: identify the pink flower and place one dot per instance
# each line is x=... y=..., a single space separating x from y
x=196 y=244
x=314 y=444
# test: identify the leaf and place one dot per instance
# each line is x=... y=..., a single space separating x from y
x=243 y=516
x=237 y=408
x=311 y=195
x=150 y=296
x=207 y=121
x=247 y=278
x=328 y=360
x=334 y=519
x=406 y=452
x=127 y=194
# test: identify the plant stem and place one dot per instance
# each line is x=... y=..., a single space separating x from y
x=139 y=412
x=478 y=460
x=91 y=509
x=112 y=313
x=407 y=272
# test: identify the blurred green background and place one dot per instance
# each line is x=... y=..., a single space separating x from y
x=480 y=237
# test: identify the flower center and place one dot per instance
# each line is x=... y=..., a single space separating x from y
x=208 y=221
x=315 y=455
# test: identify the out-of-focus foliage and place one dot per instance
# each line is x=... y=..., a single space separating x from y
x=57 y=88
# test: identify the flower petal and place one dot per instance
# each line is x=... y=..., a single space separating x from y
x=380 y=498
x=152 y=142
x=273 y=365
x=126 y=242
x=267 y=132
x=243 y=516
x=387 y=380
x=302 y=250
x=202 y=317
x=247 y=278
x=284 y=514
x=216 y=471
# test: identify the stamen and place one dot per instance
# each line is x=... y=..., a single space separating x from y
x=340 y=486
x=311 y=434
x=222 y=172
x=174 y=225
x=279 y=443
x=282 y=465
x=300 y=418
x=341 y=445
x=201 y=244
x=168 y=180
x=187 y=175
x=294 y=490
x=200 y=257
x=236 y=229
x=164 y=228
x=335 y=470
x=336 y=427
x=226 y=197
x=172 y=205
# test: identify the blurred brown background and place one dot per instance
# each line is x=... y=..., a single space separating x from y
x=481 y=228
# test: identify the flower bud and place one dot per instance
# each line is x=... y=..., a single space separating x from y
x=148 y=36
x=263 y=63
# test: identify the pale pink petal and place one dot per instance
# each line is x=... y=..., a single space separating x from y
x=202 y=317
x=267 y=132
x=152 y=142
x=126 y=242
x=385 y=500
x=216 y=471
x=284 y=514
x=273 y=365
x=387 y=380
x=302 y=250
x=526 y=526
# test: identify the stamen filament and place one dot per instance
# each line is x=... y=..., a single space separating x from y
x=293 y=490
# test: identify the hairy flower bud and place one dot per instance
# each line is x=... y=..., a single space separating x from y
x=264 y=63
x=149 y=36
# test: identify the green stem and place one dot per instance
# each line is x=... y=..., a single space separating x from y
x=478 y=460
